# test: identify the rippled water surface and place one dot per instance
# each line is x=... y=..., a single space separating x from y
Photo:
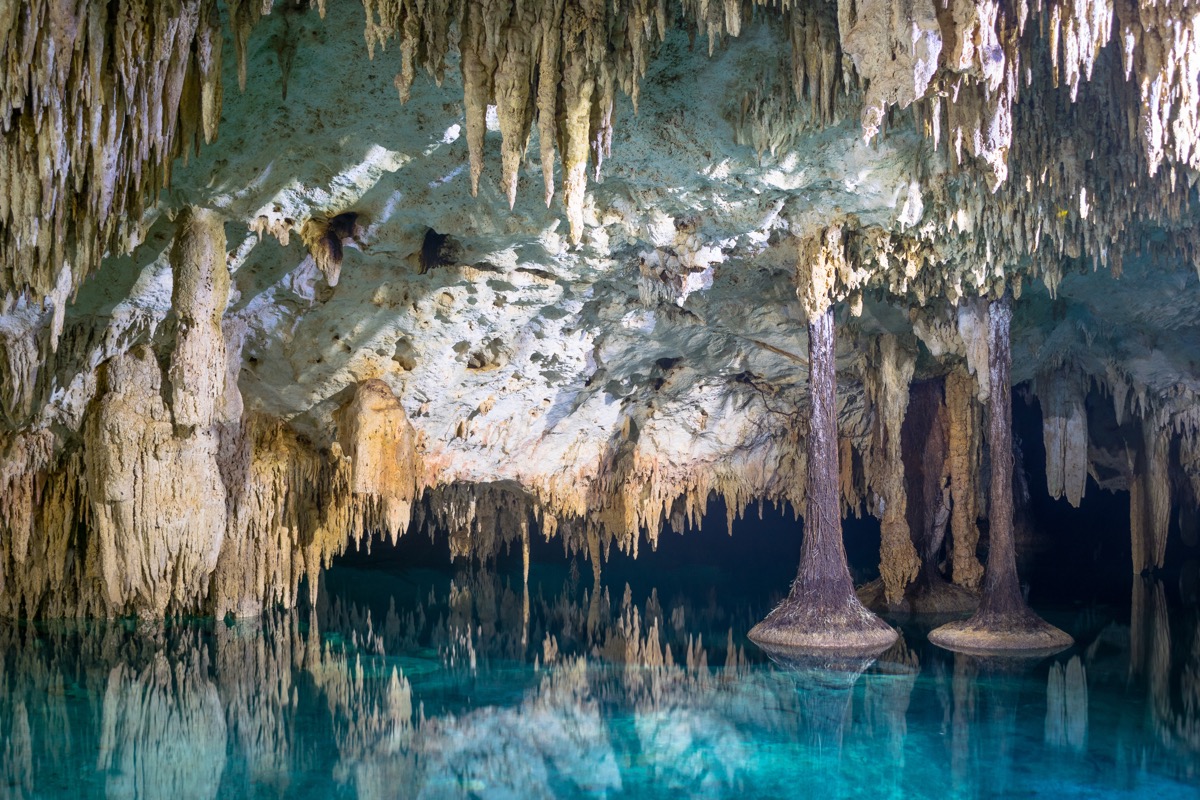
x=421 y=683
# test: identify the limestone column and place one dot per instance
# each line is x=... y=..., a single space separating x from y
x=1003 y=622
x=898 y=560
x=963 y=442
x=822 y=611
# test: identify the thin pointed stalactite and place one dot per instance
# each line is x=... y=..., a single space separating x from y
x=821 y=611
x=1003 y=622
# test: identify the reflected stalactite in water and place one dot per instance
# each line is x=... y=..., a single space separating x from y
x=163 y=731
x=965 y=699
x=1187 y=723
x=885 y=709
x=431 y=689
x=257 y=684
x=373 y=723
x=17 y=758
x=824 y=684
x=1067 y=706
x=1173 y=692
x=555 y=738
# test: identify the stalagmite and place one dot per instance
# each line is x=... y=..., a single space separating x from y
x=1003 y=622
x=821 y=610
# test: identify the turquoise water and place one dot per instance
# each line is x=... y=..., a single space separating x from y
x=422 y=683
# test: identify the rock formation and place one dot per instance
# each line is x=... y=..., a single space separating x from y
x=1003 y=621
x=821 y=612
x=224 y=360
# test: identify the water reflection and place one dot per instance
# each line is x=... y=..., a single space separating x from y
x=423 y=685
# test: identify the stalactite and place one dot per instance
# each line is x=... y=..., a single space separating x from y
x=895 y=49
x=158 y=534
x=1065 y=434
x=898 y=560
x=380 y=442
x=44 y=498
x=289 y=514
x=965 y=455
x=200 y=292
x=514 y=56
x=98 y=100
x=818 y=91
x=1189 y=462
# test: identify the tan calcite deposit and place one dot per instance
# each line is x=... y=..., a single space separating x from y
x=965 y=447
x=157 y=503
x=225 y=411
x=898 y=560
x=385 y=471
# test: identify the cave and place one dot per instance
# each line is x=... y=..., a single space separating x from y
x=587 y=399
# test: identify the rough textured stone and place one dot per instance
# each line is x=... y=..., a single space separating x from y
x=612 y=362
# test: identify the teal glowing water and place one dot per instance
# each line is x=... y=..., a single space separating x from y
x=417 y=684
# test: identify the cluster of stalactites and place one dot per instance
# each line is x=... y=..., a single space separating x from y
x=559 y=65
x=1027 y=207
x=820 y=89
x=1147 y=444
x=628 y=496
x=1129 y=74
x=988 y=55
x=829 y=268
x=227 y=520
x=96 y=102
x=480 y=520
x=555 y=62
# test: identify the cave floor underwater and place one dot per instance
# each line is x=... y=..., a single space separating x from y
x=425 y=681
